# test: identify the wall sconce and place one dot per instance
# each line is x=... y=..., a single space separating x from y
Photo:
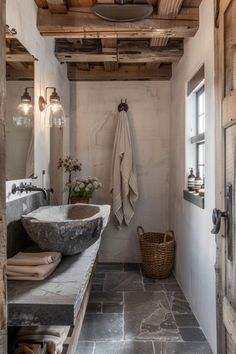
x=56 y=112
x=24 y=115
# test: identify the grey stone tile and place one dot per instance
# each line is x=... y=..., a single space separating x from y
x=102 y=327
x=106 y=297
x=124 y=347
x=192 y=334
x=95 y=307
x=97 y=287
x=186 y=348
x=99 y=276
x=110 y=267
x=181 y=307
x=147 y=316
x=153 y=287
x=132 y=267
x=186 y=321
x=172 y=287
x=85 y=347
x=175 y=295
x=127 y=281
x=112 y=308
x=171 y=279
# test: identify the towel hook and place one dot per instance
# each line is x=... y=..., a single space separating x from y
x=123 y=106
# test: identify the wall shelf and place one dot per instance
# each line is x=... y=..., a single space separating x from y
x=194 y=199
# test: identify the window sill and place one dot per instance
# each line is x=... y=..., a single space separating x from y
x=194 y=199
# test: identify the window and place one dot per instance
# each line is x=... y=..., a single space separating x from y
x=195 y=122
x=199 y=138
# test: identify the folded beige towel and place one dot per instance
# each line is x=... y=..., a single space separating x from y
x=53 y=336
x=33 y=259
x=26 y=348
x=39 y=272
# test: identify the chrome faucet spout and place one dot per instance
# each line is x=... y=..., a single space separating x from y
x=30 y=188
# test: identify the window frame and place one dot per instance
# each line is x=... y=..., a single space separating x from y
x=199 y=138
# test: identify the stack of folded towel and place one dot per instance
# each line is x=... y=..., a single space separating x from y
x=53 y=336
x=30 y=349
x=32 y=266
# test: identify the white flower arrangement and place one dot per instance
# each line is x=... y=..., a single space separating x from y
x=84 y=187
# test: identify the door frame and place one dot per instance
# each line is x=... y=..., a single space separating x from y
x=3 y=233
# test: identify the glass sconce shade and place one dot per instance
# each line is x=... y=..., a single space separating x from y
x=54 y=109
x=24 y=115
x=56 y=115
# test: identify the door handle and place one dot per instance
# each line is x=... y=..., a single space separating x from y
x=217 y=214
x=228 y=215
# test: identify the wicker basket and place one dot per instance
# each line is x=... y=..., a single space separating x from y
x=158 y=252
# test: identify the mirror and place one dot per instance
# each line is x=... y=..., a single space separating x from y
x=19 y=119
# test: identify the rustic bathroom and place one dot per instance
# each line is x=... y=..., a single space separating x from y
x=117 y=165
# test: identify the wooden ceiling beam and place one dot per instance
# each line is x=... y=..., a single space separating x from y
x=124 y=73
x=79 y=3
x=57 y=6
x=67 y=57
x=108 y=44
x=17 y=65
x=16 y=75
x=127 y=52
x=22 y=57
x=191 y=3
x=169 y=8
x=140 y=52
x=41 y=3
x=159 y=42
x=77 y=25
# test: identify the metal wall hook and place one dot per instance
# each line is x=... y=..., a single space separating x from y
x=123 y=106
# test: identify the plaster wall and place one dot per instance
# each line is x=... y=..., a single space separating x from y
x=196 y=249
x=93 y=122
x=22 y=16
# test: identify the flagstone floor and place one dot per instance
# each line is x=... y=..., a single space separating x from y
x=129 y=313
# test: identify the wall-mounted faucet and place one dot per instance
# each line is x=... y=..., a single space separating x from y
x=24 y=187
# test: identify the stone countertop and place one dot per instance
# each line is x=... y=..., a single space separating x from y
x=56 y=300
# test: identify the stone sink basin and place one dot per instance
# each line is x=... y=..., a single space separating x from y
x=68 y=229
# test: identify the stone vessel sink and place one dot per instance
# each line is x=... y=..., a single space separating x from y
x=68 y=229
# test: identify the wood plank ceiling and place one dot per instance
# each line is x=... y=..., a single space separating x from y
x=19 y=63
x=97 y=50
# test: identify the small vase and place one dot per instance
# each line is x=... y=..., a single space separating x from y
x=74 y=199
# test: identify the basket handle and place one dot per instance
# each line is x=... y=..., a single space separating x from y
x=169 y=233
x=140 y=231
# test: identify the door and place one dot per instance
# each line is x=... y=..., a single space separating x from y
x=226 y=174
x=3 y=306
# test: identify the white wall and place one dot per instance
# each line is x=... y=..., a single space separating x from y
x=93 y=122
x=22 y=15
x=196 y=248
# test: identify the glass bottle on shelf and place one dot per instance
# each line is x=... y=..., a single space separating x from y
x=198 y=182
x=191 y=181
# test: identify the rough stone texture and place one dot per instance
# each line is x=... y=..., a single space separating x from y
x=17 y=238
x=125 y=348
x=56 y=300
x=102 y=327
x=68 y=229
x=146 y=319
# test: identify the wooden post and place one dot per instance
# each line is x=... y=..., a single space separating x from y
x=3 y=295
